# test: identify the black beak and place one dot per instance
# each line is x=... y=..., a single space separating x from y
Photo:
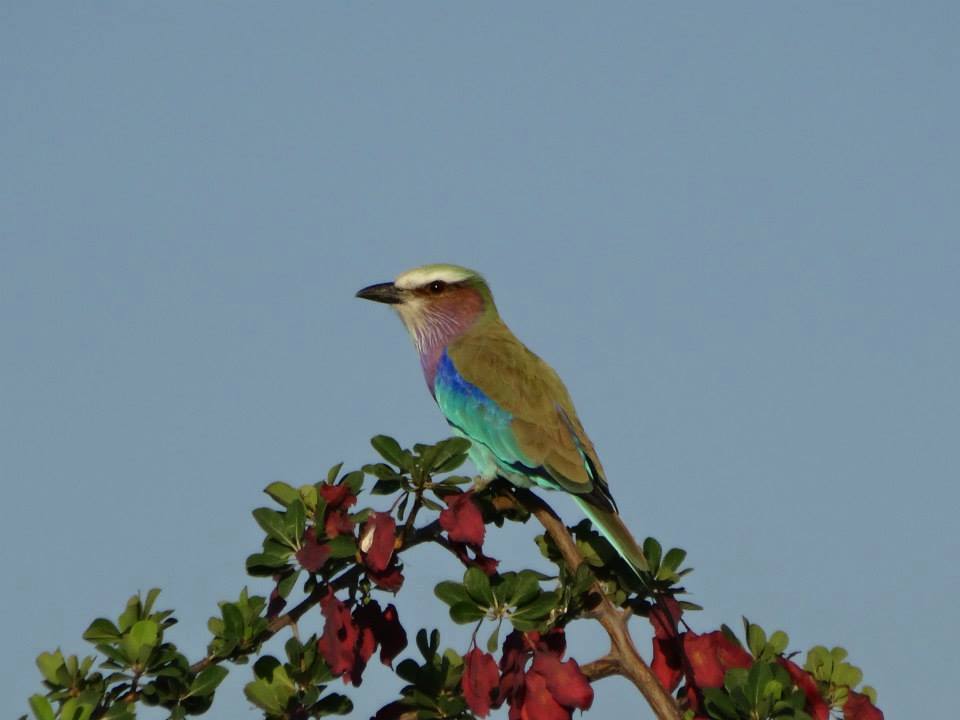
x=382 y=292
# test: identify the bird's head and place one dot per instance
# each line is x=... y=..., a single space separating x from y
x=435 y=302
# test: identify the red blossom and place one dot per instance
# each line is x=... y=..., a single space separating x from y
x=550 y=689
x=859 y=707
x=337 y=496
x=480 y=678
x=390 y=634
x=816 y=705
x=554 y=641
x=350 y=639
x=312 y=555
x=664 y=616
x=463 y=520
x=390 y=579
x=339 y=499
x=710 y=655
x=377 y=540
x=337 y=523
x=537 y=702
x=340 y=635
x=566 y=683
x=667 y=662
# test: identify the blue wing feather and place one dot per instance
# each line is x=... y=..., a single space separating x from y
x=487 y=425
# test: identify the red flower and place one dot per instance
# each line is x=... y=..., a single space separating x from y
x=377 y=540
x=377 y=545
x=710 y=655
x=667 y=662
x=551 y=689
x=390 y=634
x=312 y=555
x=390 y=579
x=480 y=678
x=462 y=519
x=338 y=643
x=816 y=705
x=568 y=686
x=859 y=707
x=664 y=616
x=339 y=499
x=349 y=640
x=337 y=496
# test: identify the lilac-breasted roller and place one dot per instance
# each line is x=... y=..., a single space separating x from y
x=494 y=391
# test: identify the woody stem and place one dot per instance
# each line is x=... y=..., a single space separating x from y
x=623 y=659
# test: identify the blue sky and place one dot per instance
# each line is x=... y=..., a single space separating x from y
x=733 y=231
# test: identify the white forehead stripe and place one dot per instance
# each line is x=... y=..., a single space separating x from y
x=418 y=277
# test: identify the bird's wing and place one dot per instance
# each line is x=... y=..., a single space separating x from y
x=529 y=419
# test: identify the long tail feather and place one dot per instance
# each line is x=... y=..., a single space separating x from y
x=613 y=529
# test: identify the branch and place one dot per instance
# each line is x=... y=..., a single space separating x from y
x=427 y=533
x=601 y=668
x=623 y=652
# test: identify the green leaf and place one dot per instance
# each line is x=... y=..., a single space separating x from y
x=273 y=524
x=41 y=707
x=342 y=546
x=272 y=689
x=451 y=592
x=296 y=519
x=478 y=586
x=207 y=680
x=332 y=704
x=778 y=642
x=49 y=664
x=140 y=641
x=735 y=678
x=354 y=481
x=308 y=495
x=287 y=583
x=265 y=564
x=449 y=455
x=232 y=621
x=674 y=558
x=757 y=679
x=652 y=551
x=846 y=674
x=756 y=639
x=152 y=595
x=102 y=630
x=385 y=487
x=719 y=704
x=130 y=614
x=333 y=472
x=391 y=451
x=466 y=612
x=261 y=694
x=539 y=607
x=493 y=642
x=527 y=588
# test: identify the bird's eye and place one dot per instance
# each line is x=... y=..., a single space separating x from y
x=437 y=286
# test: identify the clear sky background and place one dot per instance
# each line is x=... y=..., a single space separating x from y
x=734 y=230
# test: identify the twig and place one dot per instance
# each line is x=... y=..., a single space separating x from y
x=427 y=533
x=623 y=652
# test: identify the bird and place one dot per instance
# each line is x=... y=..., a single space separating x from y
x=500 y=395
